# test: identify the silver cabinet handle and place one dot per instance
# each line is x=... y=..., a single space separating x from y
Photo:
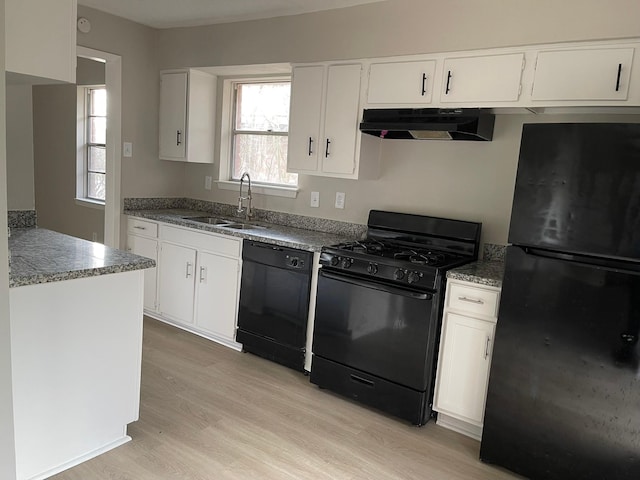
x=189 y=271
x=139 y=227
x=486 y=348
x=203 y=272
x=178 y=138
x=471 y=300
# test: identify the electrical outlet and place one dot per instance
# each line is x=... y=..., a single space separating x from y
x=127 y=149
x=340 y=196
x=207 y=182
x=315 y=199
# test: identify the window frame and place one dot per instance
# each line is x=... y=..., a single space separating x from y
x=83 y=146
x=227 y=137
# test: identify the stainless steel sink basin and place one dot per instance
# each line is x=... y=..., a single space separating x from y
x=242 y=226
x=209 y=220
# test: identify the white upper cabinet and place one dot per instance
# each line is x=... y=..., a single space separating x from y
x=482 y=80
x=400 y=83
x=324 y=136
x=338 y=153
x=585 y=74
x=41 y=40
x=307 y=88
x=187 y=116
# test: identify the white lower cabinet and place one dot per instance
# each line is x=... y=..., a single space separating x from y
x=142 y=239
x=177 y=287
x=200 y=282
x=217 y=294
x=464 y=359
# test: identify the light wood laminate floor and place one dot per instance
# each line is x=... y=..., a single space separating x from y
x=208 y=412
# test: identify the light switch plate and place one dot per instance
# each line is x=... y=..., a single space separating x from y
x=127 y=149
x=207 y=182
x=340 y=199
x=315 y=199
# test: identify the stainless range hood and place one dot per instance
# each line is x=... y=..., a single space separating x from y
x=429 y=123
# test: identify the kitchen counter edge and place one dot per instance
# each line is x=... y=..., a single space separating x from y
x=482 y=272
x=41 y=256
x=281 y=235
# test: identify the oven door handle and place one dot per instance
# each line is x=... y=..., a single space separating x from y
x=376 y=286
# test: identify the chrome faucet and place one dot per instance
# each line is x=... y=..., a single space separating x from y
x=241 y=209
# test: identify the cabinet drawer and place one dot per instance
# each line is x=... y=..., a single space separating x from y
x=475 y=300
x=210 y=242
x=135 y=226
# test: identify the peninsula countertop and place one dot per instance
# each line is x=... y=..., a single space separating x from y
x=282 y=235
x=39 y=255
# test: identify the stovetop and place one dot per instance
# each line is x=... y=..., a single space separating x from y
x=405 y=250
x=414 y=254
x=411 y=266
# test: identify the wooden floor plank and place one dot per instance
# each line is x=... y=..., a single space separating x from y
x=208 y=412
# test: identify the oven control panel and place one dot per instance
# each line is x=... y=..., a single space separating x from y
x=389 y=270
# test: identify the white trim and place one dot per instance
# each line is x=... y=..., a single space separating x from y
x=89 y=202
x=113 y=81
x=272 y=190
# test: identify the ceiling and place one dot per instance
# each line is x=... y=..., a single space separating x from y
x=188 y=13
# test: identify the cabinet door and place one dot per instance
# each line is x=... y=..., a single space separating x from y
x=173 y=115
x=338 y=150
x=463 y=373
x=601 y=74
x=177 y=286
x=489 y=78
x=41 y=38
x=146 y=247
x=304 y=119
x=217 y=304
x=401 y=82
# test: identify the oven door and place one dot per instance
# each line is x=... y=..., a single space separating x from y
x=386 y=331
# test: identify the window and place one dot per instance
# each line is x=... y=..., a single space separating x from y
x=92 y=139
x=260 y=125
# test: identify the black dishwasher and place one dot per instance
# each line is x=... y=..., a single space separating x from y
x=274 y=302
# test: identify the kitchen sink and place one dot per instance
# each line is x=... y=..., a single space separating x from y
x=242 y=226
x=209 y=220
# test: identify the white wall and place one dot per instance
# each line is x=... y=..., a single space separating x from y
x=7 y=438
x=470 y=181
x=143 y=175
x=20 y=190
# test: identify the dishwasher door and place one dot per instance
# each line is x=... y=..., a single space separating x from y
x=274 y=302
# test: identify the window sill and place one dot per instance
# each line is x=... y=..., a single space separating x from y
x=87 y=202
x=287 y=192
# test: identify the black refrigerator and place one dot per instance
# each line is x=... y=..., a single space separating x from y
x=564 y=389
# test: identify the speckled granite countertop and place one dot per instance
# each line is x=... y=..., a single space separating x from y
x=285 y=236
x=481 y=272
x=41 y=256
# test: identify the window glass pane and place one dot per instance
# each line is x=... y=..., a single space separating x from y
x=98 y=102
x=97 y=130
x=264 y=157
x=96 y=183
x=263 y=106
x=97 y=159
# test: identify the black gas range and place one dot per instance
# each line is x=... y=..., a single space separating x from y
x=379 y=306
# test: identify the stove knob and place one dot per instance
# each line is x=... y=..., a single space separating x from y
x=413 y=277
x=398 y=274
x=335 y=261
x=372 y=268
x=346 y=262
x=293 y=262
